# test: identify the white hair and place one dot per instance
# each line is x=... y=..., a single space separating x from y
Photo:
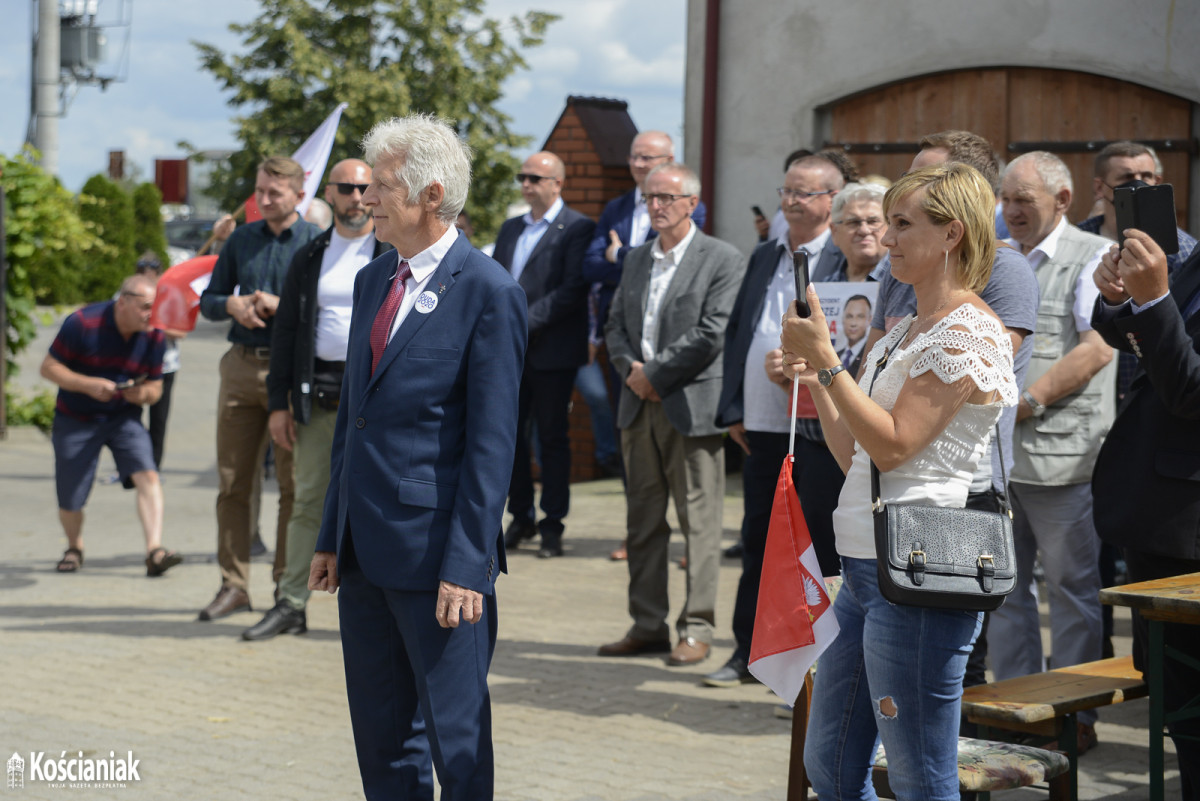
x=429 y=152
x=853 y=193
x=689 y=181
x=1049 y=167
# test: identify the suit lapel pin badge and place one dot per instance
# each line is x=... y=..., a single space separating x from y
x=426 y=302
x=441 y=287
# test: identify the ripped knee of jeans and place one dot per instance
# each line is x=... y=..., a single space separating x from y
x=886 y=708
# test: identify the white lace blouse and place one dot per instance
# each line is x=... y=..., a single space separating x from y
x=966 y=342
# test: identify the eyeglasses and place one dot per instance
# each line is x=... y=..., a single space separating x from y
x=872 y=223
x=522 y=177
x=802 y=196
x=640 y=159
x=662 y=199
x=348 y=189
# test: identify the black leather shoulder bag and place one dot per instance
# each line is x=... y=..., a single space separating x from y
x=943 y=557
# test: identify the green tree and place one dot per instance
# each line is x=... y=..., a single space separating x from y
x=109 y=209
x=384 y=58
x=149 y=230
x=46 y=240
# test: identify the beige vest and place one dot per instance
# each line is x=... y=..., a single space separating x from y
x=1060 y=447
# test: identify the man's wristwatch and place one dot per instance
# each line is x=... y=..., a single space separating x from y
x=1035 y=409
x=825 y=377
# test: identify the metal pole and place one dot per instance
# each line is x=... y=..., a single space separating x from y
x=46 y=85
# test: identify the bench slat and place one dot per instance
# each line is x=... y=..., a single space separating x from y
x=1045 y=696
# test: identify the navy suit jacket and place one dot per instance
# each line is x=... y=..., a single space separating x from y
x=1146 y=484
x=423 y=449
x=617 y=216
x=747 y=311
x=554 y=286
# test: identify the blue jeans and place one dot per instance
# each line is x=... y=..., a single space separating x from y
x=590 y=383
x=894 y=674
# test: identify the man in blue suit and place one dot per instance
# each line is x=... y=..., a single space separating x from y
x=543 y=250
x=422 y=451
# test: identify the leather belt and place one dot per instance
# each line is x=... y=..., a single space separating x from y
x=260 y=353
x=322 y=366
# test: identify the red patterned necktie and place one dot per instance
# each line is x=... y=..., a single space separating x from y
x=387 y=314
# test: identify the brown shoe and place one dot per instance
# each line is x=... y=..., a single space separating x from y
x=689 y=651
x=631 y=646
x=228 y=600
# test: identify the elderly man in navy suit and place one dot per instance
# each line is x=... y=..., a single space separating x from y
x=1145 y=486
x=422 y=451
x=543 y=249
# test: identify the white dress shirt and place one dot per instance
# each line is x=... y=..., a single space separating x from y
x=533 y=233
x=662 y=270
x=422 y=266
x=639 y=227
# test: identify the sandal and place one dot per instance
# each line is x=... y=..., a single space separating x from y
x=72 y=560
x=160 y=560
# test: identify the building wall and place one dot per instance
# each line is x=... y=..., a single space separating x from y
x=781 y=61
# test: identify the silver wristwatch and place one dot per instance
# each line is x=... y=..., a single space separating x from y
x=1035 y=408
x=825 y=377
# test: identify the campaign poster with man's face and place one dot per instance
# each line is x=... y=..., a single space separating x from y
x=848 y=308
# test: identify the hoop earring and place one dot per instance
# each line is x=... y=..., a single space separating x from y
x=946 y=262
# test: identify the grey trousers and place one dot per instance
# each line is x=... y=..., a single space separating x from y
x=663 y=465
x=1057 y=521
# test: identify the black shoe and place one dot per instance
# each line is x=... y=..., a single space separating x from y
x=257 y=546
x=733 y=674
x=282 y=619
x=550 y=550
x=734 y=551
x=518 y=530
x=611 y=467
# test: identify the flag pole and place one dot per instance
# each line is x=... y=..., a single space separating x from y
x=792 y=434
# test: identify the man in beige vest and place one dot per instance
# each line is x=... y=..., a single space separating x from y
x=1066 y=407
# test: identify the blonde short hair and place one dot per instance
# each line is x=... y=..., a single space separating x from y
x=956 y=191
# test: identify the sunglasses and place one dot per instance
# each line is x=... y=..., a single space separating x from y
x=533 y=179
x=348 y=189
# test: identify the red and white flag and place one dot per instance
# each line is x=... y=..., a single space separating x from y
x=794 y=622
x=313 y=156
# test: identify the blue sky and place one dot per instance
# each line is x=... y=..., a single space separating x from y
x=612 y=48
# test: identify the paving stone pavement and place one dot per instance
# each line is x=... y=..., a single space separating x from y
x=108 y=660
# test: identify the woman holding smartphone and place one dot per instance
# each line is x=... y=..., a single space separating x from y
x=895 y=672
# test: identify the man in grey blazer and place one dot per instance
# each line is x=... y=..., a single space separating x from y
x=665 y=334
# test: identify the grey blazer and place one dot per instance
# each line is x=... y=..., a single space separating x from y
x=686 y=369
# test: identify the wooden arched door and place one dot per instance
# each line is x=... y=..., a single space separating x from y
x=1071 y=114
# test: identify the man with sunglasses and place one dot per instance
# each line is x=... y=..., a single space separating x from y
x=308 y=358
x=543 y=250
x=254 y=262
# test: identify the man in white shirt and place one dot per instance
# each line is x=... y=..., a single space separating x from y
x=1067 y=406
x=665 y=334
x=543 y=250
x=308 y=356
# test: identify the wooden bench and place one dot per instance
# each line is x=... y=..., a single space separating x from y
x=1046 y=704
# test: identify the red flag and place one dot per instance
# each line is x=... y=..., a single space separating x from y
x=794 y=622
x=178 y=300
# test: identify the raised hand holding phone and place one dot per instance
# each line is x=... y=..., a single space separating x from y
x=800 y=273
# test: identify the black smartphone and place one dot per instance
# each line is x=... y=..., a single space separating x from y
x=757 y=211
x=800 y=273
x=1150 y=209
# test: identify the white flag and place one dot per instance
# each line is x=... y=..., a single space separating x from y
x=313 y=155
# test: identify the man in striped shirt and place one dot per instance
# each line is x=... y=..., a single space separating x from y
x=107 y=363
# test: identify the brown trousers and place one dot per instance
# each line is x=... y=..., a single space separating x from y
x=241 y=435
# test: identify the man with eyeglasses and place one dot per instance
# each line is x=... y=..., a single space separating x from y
x=254 y=261
x=308 y=358
x=665 y=336
x=107 y=363
x=543 y=250
x=754 y=403
x=624 y=225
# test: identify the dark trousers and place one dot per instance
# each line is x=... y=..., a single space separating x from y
x=1180 y=682
x=819 y=482
x=158 y=419
x=760 y=469
x=418 y=692
x=544 y=403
